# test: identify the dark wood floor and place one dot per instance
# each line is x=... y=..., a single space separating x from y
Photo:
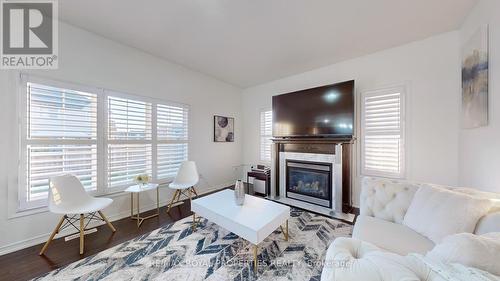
x=26 y=264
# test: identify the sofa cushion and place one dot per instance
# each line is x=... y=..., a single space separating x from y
x=438 y=212
x=386 y=199
x=470 y=250
x=390 y=236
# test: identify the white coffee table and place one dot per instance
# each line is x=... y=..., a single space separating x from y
x=253 y=221
x=137 y=189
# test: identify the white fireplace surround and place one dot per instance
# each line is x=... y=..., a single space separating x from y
x=335 y=160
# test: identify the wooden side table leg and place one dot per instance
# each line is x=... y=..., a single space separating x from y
x=81 y=234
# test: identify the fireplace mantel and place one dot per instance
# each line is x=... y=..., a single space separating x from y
x=315 y=146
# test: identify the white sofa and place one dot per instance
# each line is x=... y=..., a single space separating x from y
x=379 y=228
x=383 y=206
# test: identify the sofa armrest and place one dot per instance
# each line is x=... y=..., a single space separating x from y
x=386 y=199
x=344 y=261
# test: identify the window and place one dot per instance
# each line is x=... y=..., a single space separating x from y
x=59 y=136
x=105 y=138
x=266 y=133
x=172 y=136
x=129 y=143
x=382 y=132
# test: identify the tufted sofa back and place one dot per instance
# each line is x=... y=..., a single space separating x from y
x=386 y=199
x=389 y=199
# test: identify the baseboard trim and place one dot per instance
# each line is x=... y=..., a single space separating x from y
x=16 y=246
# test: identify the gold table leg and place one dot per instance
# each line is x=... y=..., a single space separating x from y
x=137 y=216
x=194 y=222
x=158 y=200
x=139 y=221
x=285 y=233
x=255 y=263
x=132 y=205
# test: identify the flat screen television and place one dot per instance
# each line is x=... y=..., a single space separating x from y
x=326 y=111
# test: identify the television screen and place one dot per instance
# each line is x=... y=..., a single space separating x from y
x=326 y=111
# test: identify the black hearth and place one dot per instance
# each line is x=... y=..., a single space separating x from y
x=309 y=181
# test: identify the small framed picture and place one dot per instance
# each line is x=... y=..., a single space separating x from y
x=223 y=129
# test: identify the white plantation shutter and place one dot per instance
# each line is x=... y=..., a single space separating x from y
x=60 y=137
x=56 y=113
x=46 y=161
x=129 y=140
x=172 y=138
x=382 y=131
x=170 y=157
x=266 y=133
x=125 y=161
x=172 y=122
x=105 y=138
x=129 y=119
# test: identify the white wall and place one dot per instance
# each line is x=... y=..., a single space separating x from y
x=479 y=149
x=92 y=60
x=431 y=71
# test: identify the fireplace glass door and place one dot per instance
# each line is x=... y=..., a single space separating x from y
x=309 y=181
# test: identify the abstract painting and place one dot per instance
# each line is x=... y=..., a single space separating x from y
x=223 y=129
x=475 y=80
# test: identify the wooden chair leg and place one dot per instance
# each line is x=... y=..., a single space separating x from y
x=56 y=230
x=194 y=191
x=178 y=196
x=107 y=221
x=172 y=201
x=81 y=233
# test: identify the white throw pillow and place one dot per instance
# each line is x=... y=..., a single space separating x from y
x=436 y=212
x=471 y=250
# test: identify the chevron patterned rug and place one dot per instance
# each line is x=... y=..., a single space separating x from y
x=174 y=252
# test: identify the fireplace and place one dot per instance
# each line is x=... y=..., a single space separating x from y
x=312 y=174
x=309 y=182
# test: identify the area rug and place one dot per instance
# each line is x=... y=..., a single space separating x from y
x=175 y=252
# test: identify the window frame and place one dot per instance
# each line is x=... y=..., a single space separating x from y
x=261 y=136
x=403 y=91
x=101 y=141
x=107 y=141
x=160 y=141
x=23 y=202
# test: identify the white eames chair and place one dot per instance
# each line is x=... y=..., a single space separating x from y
x=183 y=184
x=68 y=197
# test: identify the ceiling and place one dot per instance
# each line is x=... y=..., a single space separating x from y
x=249 y=42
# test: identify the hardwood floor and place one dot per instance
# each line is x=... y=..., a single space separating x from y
x=26 y=264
